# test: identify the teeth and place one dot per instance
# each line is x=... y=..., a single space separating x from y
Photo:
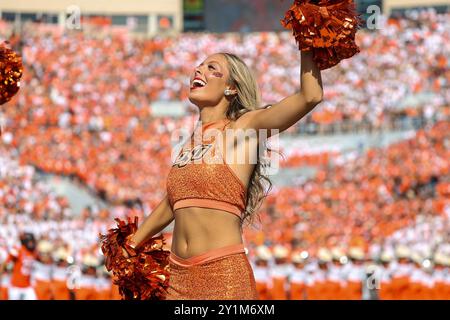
x=199 y=82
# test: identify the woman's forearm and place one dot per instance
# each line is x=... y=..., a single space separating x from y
x=310 y=77
x=160 y=218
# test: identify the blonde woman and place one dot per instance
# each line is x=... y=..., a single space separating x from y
x=210 y=201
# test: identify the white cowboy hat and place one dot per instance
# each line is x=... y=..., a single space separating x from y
x=44 y=246
x=386 y=256
x=299 y=257
x=337 y=253
x=402 y=251
x=324 y=255
x=90 y=260
x=356 y=253
x=280 y=252
x=416 y=257
x=61 y=254
x=263 y=253
x=440 y=259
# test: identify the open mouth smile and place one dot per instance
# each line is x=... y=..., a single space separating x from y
x=197 y=83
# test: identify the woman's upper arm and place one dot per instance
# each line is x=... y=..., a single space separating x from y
x=164 y=209
x=280 y=116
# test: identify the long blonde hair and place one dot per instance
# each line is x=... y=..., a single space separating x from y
x=248 y=99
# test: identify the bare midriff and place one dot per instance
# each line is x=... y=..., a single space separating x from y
x=199 y=230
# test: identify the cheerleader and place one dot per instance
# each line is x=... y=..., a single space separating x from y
x=211 y=195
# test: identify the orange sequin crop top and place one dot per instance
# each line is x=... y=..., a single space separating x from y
x=200 y=177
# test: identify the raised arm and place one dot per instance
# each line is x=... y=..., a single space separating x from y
x=160 y=218
x=290 y=110
x=11 y=258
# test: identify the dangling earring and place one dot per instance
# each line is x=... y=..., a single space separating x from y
x=228 y=92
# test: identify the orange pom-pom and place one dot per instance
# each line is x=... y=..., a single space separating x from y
x=145 y=274
x=10 y=73
x=327 y=27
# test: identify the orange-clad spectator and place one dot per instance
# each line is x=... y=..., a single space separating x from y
x=42 y=272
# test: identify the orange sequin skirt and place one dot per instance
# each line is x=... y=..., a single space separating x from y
x=220 y=274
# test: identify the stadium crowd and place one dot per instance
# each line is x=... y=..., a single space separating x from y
x=322 y=240
x=388 y=211
x=94 y=122
x=83 y=111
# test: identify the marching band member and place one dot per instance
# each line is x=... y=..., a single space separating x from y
x=103 y=284
x=402 y=273
x=336 y=280
x=261 y=271
x=441 y=277
x=356 y=275
x=22 y=259
x=316 y=288
x=59 y=284
x=5 y=275
x=42 y=274
x=86 y=289
x=386 y=270
x=280 y=273
x=299 y=276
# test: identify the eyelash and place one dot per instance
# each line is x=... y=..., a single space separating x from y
x=210 y=66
